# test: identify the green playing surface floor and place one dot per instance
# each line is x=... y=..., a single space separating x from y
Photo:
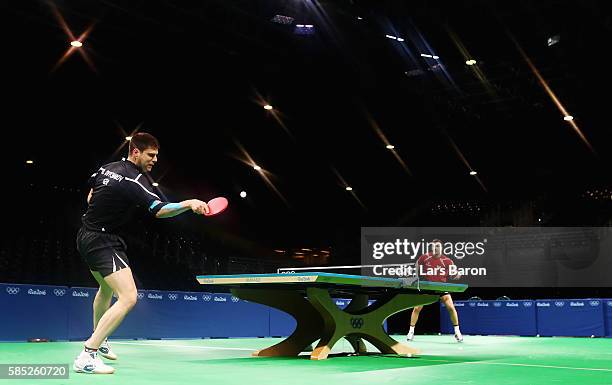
x=479 y=360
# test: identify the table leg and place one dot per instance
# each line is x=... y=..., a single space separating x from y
x=318 y=317
x=365 y=323
x=358 y=303
x=309 y=323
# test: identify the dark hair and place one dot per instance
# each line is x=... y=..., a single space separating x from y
x=143 y=141
x=436 y=241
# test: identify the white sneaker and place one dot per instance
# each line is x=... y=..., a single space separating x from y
x=459 y=337
x=410 y=337
x=91 y=363
x=105 y=351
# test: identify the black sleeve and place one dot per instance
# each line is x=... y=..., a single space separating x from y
x=142 y=195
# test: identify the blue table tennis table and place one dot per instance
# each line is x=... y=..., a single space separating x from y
x=308 y=298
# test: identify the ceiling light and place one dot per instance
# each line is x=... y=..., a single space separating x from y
x=553 y=40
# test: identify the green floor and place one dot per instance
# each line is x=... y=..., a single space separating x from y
x=479 y=360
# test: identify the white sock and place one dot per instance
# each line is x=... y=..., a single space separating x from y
x=90 y=353
x=457 y=331
x=411 y=331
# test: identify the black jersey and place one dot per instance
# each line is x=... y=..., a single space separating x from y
x=118 y=188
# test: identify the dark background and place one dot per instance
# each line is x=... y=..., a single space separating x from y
x=197 y=73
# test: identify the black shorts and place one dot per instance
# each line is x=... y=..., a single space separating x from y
x=104 y=253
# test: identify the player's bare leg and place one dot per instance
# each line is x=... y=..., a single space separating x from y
x=414 y=318
x=452 y=312
x=101 y=304
x=122 y=284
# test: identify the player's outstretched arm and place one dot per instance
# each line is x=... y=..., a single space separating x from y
x=173 y=209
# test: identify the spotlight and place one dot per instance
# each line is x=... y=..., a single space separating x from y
x=242 y=194
x=128 y=138
x=567 y=118
x=76 y=44
x=470 y=62
x=349 y=188
x=390 y=146
x=430 y=56
x=257 y=168
x=29 y=162
x=268 y=107
x=394 y=37
x=155 y=184
x=304 y=29
x=473 y=173
x=553 y=40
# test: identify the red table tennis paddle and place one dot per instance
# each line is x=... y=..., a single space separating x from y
x=216 y=206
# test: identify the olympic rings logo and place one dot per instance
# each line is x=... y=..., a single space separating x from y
x=172 y=296
x=12 y=290
x=59 y=292
x=357 y=323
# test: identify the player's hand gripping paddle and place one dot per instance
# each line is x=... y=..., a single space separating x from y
x=216 y=206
